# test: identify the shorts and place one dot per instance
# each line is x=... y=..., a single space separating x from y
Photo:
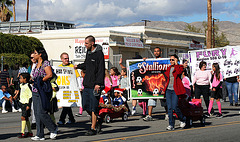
x=152 y=102
x=216 y=94
x=89 y=101
x=25 y=113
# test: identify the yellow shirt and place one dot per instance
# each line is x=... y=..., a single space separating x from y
x=54 y=92
x=70 y=65
x=25 y=93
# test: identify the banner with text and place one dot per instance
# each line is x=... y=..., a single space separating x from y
x=133 y=42
x=80 y=50
x=69 y=93
x=147 y=78
x=227 y=58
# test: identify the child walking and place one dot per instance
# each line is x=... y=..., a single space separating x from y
x=114 y=76
x=83 y=72
x=216 y=90
x=26 y=101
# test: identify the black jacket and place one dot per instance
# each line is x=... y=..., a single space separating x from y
x=95 y=68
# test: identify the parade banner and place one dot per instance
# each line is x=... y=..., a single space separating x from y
x=147 y=78
x=69 y=93
x=227 y=58
x=80 y=50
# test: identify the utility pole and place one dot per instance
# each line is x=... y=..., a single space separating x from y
x=14 y=11
x=27 y=10
x=145 y=22
x=213 y=34
x=209 y=27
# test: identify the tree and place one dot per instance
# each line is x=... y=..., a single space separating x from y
x=220 y=38
x=5 y=13
x=192 y=28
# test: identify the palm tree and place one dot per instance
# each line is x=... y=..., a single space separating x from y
x=5 y=13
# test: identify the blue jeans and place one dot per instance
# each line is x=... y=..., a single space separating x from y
x=232 y=90
x=42 y=117
x=172 y=104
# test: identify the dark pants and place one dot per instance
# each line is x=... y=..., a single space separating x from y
x=66 y=111
x=42 y=117
x=203 y=90
x=172 y=104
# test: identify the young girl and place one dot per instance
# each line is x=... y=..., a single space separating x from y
x=108 y=79
x=216 y=90
x=186 y=83
x=83 y=72
x=114 y=76
x=25 y=100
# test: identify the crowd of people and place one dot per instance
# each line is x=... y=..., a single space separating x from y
x=32 y=89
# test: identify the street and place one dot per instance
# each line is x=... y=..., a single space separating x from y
x=135 y=129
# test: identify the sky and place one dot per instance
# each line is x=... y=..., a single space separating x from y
x=103 y=13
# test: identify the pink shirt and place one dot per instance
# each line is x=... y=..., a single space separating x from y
x=107 y=82
x=216 y=82
x=114 y=80
x=202 y=77
x=186 y=82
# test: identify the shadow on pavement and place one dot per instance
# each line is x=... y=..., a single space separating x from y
x=7 y=136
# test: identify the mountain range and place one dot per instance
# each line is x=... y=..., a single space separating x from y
x=230 y=29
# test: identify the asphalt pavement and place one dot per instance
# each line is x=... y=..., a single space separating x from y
x=135 y=129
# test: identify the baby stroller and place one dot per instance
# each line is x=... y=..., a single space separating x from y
x=192 y=110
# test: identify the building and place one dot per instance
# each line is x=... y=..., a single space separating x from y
x=142 y=41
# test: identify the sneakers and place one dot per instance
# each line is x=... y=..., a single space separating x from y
x=60 y=123
x=219 y=115
x=91 y=132
x=54 y=134
x=170 y=128
x=133 y=110
x=236 y=104
x=78 y=114
x=4 y=111
x=14 y=110
x=182 y=124
x=231 y=104
x=166 y=117
x=148 y=118
x=28 y=134
x=207 y=115
x=33 y=126
x=22 y=136
x=70 y=122
x=36 y=138
x=19 y=110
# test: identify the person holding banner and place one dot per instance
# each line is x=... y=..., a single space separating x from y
x=93 y=82
x=173 y=90
x=232 y=88
x=201 y=83
x=66 y=110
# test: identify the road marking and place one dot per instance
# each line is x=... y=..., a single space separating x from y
x=158 y=133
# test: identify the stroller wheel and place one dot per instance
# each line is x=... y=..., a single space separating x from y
x=107 y=118
x=125 y=117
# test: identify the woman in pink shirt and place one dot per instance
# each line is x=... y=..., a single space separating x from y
x=201 y=83
x=216 y=90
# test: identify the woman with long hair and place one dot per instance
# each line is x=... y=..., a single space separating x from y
x=216 y=89
x=41 y=73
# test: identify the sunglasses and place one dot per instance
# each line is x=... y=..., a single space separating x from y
x=171 y=59
x=66 y=58
x=31 y=57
